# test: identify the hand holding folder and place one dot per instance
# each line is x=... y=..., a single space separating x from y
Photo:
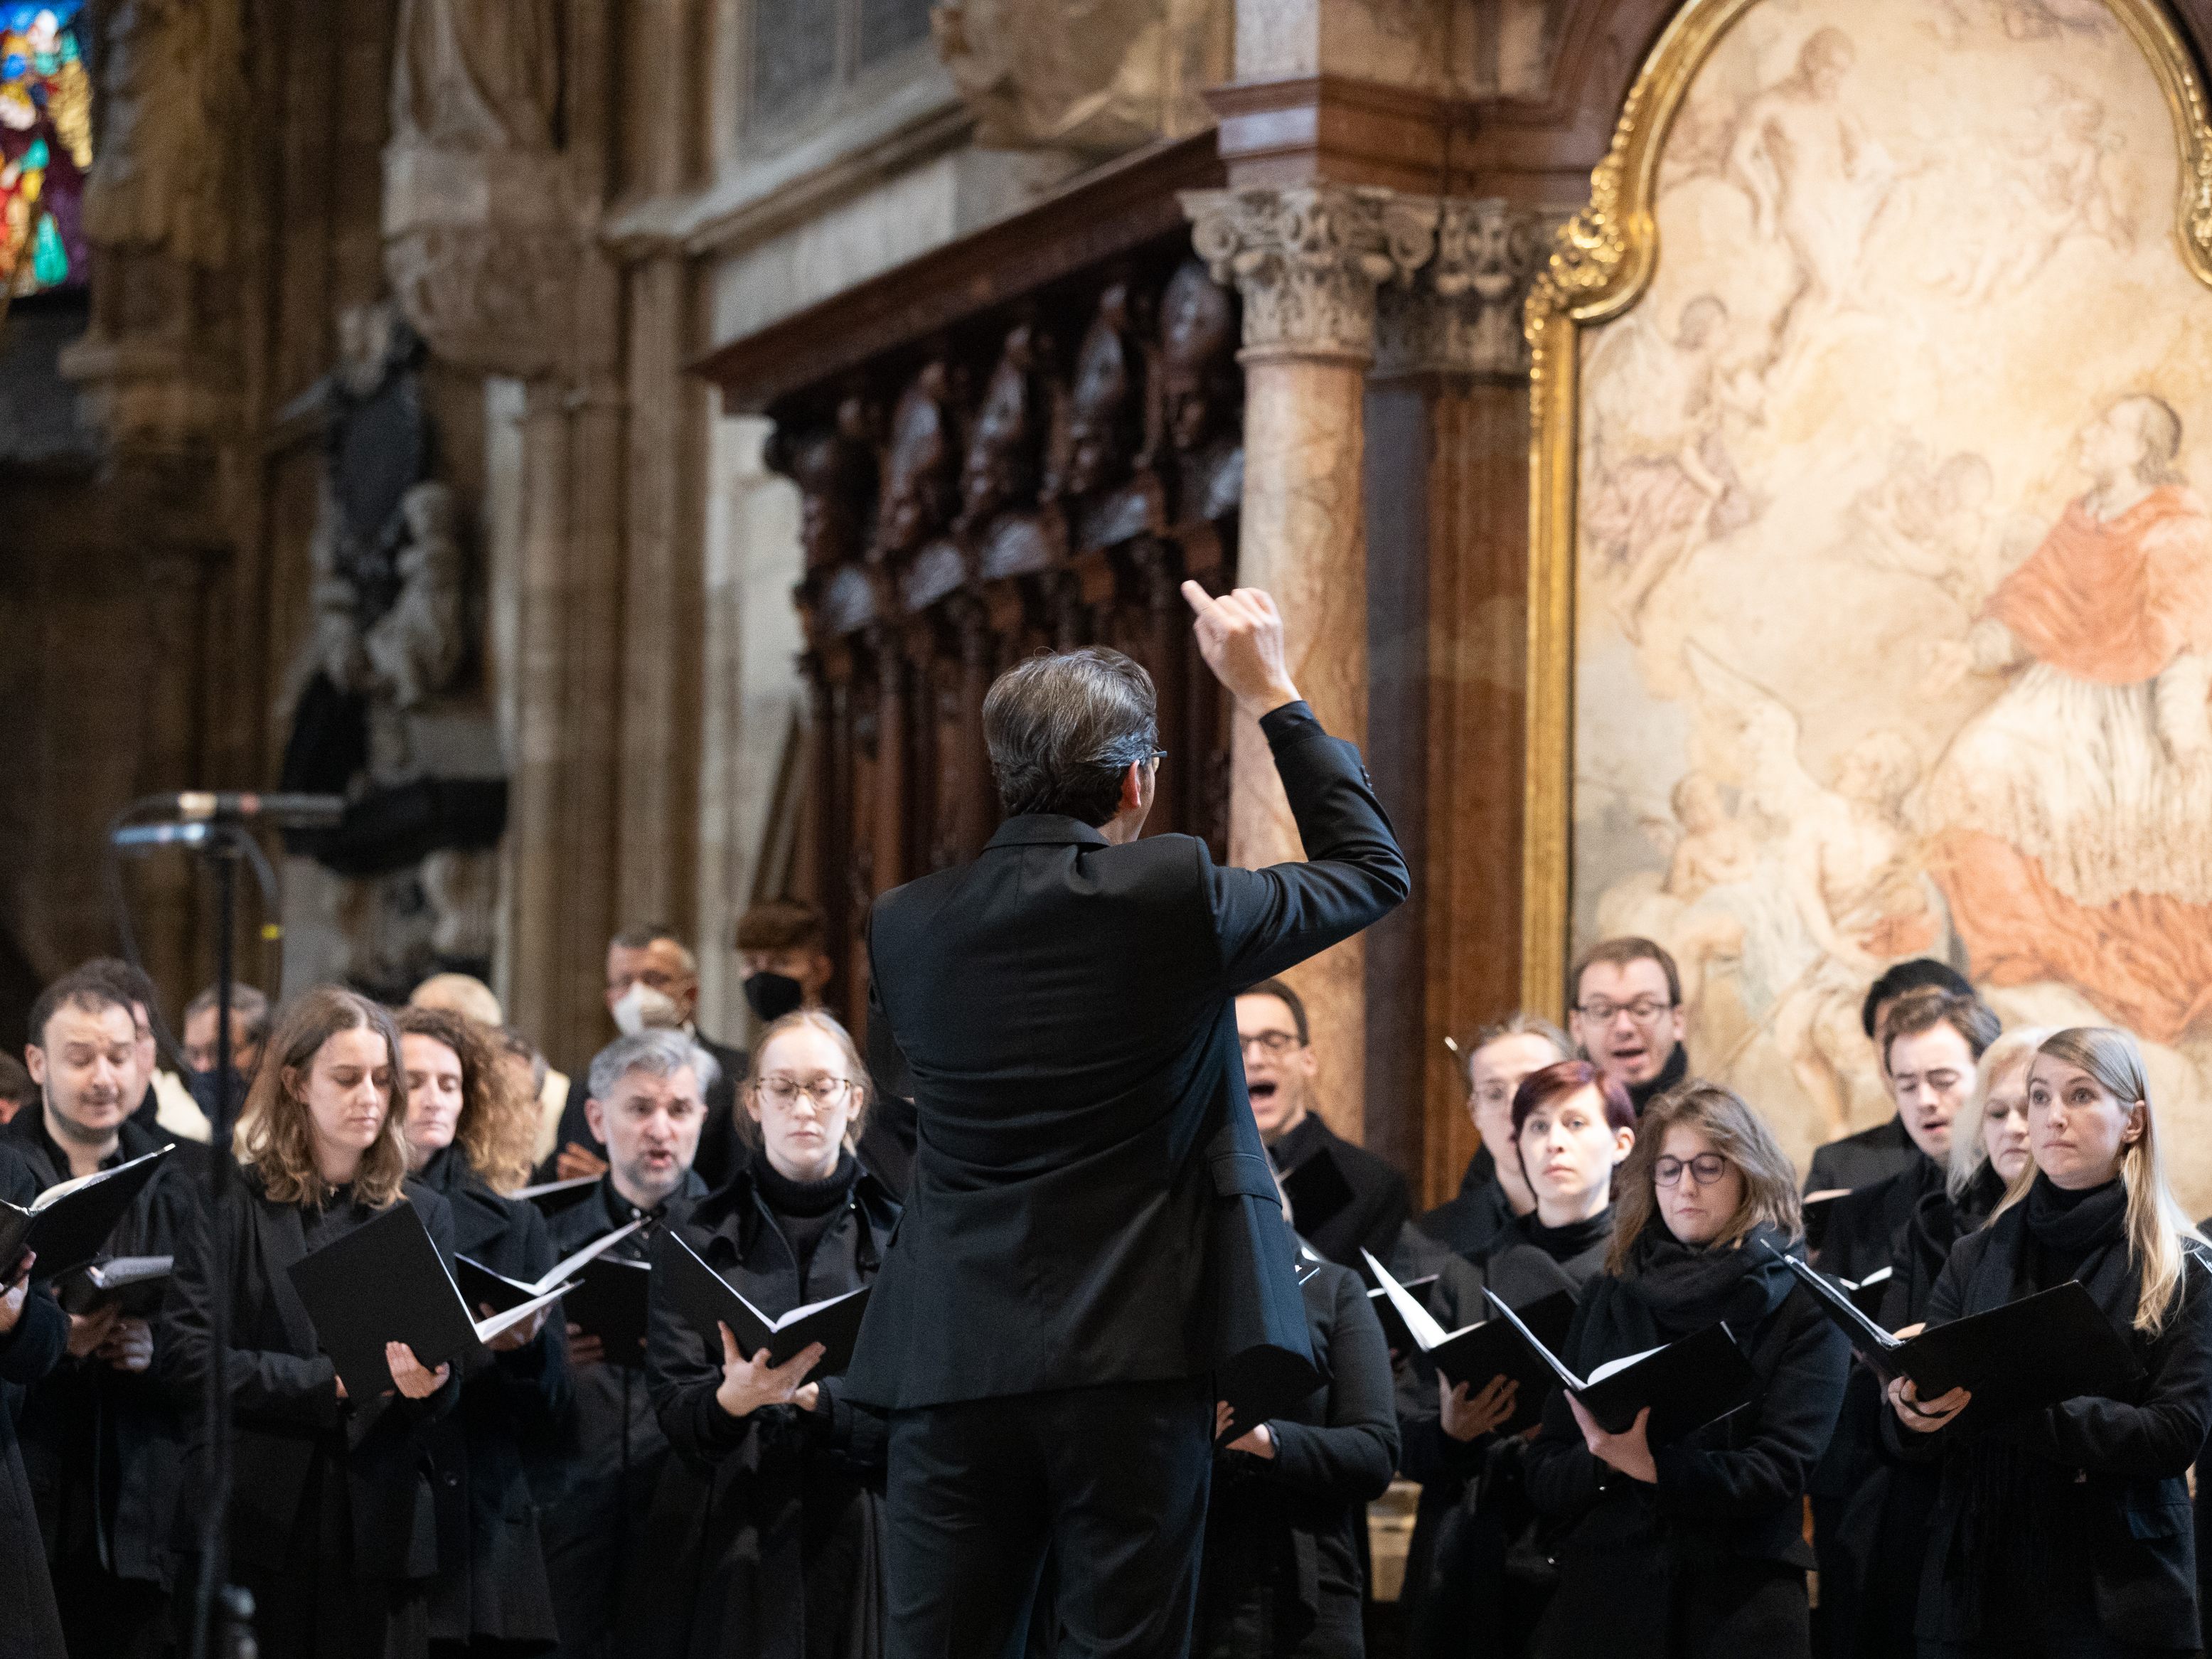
x=382 y=1283
x=2057 y=1344
x=1476 y=1354
x=67 y=1225
x=1684 y=1384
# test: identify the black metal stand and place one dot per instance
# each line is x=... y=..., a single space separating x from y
x=222 y=1623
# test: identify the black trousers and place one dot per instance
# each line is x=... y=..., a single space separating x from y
x=1112 y=1480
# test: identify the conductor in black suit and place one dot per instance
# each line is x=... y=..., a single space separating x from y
x=1093 y=1228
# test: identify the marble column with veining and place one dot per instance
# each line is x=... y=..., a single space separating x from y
x=1308 y=261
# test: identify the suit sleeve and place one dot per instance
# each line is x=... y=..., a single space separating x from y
x=2160 y=1437
x=1354 y=874
x=267 y=1388
x=1352 y=1458
x=1797 y=1414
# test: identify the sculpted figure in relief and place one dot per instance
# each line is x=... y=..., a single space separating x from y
x=469 y=75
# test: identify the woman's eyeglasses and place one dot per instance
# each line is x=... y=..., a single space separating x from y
x=1704 y=1169
x=827 y=1092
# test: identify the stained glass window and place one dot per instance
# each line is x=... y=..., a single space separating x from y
x=45 y=146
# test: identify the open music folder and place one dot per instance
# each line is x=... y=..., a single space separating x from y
x=708 y=1300
x=384 y=1282
x=132 y=1284
x=1490 y=1348
x=2056 y=1344
x=1687 y=1384
x=67 y=1225
x=479 y=1284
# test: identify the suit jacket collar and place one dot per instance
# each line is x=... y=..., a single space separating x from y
x=1045 y=830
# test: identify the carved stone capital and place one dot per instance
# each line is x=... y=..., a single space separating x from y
x=482 y=255
x=1462 y=315
x=1308 y=260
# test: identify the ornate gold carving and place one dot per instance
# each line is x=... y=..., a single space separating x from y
x=1601 y=261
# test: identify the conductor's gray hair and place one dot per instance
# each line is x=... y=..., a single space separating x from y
x=1064 y=730
x=656 y=1053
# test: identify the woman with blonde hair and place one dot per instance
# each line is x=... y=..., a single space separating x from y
x=1695 y=1547
x=1989 y=1139
x=468 y=1136
x=768 y=1519
x=329 y=1494
x=2067 y=1530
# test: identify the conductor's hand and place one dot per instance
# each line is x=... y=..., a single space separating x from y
x=749 y=1384
x=1240 y=634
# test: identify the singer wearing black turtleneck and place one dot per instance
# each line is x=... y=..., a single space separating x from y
x=1692 y=1547
x=2066 y=1531
x=1571 y=1125
x=769 y=1520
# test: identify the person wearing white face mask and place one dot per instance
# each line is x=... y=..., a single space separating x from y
x=2065 y=1531
x=653 y=984
x=760 y=1447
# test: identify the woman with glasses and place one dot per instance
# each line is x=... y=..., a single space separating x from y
x=1693 y=1548
x=2066 y=1531
x=769 y=1519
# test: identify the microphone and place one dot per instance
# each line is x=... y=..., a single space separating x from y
x=141 y=836
x=285 y=811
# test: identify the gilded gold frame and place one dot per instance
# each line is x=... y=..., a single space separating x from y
x=1600 y=263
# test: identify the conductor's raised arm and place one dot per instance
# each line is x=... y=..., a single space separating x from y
x=1354 y=873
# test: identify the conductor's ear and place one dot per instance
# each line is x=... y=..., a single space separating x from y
x=1132 y=787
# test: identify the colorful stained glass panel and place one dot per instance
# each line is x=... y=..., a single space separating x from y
x=45 y=146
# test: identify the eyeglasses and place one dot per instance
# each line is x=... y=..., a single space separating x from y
x=1703 y=1170
x=1275 y=1042
x=827 y=1092
x=1642 y=1011
x=1159 y=755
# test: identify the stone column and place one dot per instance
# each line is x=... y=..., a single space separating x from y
x=1308 y=260
x=1446 y=487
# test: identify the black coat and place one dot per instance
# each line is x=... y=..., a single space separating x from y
x=766 y=1529
x=30 y=1627
x=1281 y=1574
x=1091 y=1203
x=102 y=1446
x=722 y=1150
x=1474 y=1503
x=1379 y=1204
x=288 y=1421
x=1470 y=1222
x=2131 y=1457
x=1861 y=1159
x=491 y=1564
x=1629 y=1553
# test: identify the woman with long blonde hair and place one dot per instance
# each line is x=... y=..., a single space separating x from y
x=1693 y=1548
x=2067 y=1530
x=329 y=1496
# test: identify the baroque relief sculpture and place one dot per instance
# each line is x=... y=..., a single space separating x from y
x=1892 y=626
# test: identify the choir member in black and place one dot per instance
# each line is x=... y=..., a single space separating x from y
x=769 y=1518
x=1279 y=1065
x=331 y=1526
x=1867 y=1512
x=100 y=1435
x=1493 y=1191
x=1571 y=1126
x=645 y=1102
x=33 y=1331
x=1693 y=1548
x=1628 y=1015
x=1282 y=1573
x=1871 y=1155
x=469 y=1135
x=2066 y=1531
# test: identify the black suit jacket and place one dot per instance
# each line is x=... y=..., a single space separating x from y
x=1861 y=1159
x=1091 y=1203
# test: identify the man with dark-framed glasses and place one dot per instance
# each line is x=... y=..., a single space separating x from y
x=1627 y=1015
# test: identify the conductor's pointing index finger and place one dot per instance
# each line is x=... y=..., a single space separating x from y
x=1199 y=600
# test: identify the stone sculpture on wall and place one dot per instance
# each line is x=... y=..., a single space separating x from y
x=1080 y=75
x=382 y=709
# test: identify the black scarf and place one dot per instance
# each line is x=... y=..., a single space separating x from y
x=2084 y=1236
x=1563 y=1243
x=1677 y=1068
x=1677 y=1289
